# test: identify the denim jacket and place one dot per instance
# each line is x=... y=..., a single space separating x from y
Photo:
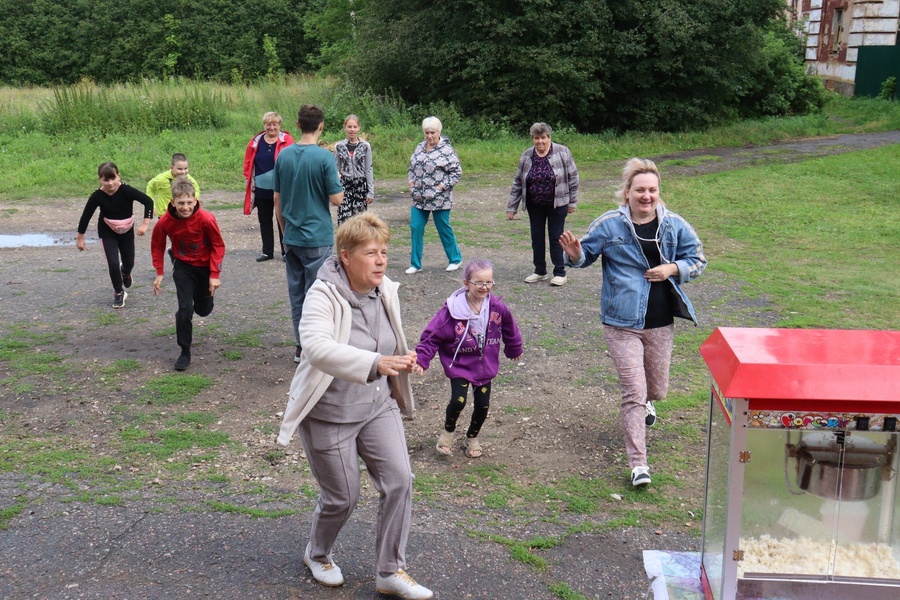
x=624 y=293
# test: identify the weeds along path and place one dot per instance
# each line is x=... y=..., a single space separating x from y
x=108 y=459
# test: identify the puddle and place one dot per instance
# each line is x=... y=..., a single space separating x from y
x=34 y=239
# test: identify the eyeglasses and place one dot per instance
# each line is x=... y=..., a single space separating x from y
x=482 y=284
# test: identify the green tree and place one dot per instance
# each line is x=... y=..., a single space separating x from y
x=332 y=23
x=517 y=61
x=173 y=46
x=49 y=42
x=595 y=64
x=684 y=63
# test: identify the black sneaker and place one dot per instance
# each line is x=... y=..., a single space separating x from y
x=263 y=257
x=297 y=354
x=119 y=299
x=650 y=419
x=183 y=361
x=126 y=280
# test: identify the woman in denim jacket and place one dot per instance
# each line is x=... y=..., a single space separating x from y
x=434 y=171
x=648 y=252
x=546 y=185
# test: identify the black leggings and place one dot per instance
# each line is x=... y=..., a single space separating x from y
x=459 y=390
x=118 y=250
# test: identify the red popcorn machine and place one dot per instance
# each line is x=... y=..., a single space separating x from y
x=802 y=465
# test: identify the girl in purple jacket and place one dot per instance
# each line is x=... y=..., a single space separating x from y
x=466 y=334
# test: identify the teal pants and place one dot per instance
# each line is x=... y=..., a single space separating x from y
x=418 y=218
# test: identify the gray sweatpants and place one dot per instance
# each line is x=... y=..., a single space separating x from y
x=332 y=450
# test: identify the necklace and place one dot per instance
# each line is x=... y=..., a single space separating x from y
x=476 y=308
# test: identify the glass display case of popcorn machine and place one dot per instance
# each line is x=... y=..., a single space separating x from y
x=802 y=498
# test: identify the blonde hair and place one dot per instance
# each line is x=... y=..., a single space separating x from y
x=271 y=117
x=182 y=186
x=360 y=230
x=633 y=168
x=352 y=117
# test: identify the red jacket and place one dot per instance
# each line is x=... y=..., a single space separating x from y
x=284 y=139
x=195 y=240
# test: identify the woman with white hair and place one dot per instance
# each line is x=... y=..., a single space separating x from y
x=434 y=170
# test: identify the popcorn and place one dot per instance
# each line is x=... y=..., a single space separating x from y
x=803 y=555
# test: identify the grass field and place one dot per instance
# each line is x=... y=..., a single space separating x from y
x=51 y=141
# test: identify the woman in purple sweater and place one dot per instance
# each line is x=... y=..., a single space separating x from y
x=466 y=334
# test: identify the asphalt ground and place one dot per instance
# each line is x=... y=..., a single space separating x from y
x=157 y=549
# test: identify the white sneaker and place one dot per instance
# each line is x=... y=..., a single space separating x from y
x=401 y=584
x=558 y=281
x=328 y=574
x=650 y=419
x=534 y=278
x=412 y=270
x=640 y=476
x=452 y=267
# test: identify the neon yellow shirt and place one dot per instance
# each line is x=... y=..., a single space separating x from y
x=160 y=190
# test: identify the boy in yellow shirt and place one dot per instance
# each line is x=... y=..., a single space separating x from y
x=160 y=187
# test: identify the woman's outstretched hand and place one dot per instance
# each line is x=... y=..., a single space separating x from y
x=571 y=245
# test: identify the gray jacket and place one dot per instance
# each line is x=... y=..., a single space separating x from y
x=358 y=166
x=564 y=168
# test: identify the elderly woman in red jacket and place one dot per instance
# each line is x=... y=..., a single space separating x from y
x=259 y=168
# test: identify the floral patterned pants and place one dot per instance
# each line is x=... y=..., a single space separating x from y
x=354 y=199
x=642 y=358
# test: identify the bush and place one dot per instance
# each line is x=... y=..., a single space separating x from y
x=888 y=89
x=591 y=64
x=779 y=83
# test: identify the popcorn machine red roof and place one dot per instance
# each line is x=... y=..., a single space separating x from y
x=801 y=479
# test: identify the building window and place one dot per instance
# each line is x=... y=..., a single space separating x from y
x=837 y=30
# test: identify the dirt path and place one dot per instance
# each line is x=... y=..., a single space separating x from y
x=554 y=421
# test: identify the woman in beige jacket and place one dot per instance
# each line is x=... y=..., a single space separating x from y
x=346 y=400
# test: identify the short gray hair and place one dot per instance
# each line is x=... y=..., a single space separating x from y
x=541 y=129
x=432 y=123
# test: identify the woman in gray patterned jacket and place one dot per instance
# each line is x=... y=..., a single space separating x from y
x=546 y=185
x=434 y=170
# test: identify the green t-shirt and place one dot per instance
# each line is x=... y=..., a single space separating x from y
x=305 y=176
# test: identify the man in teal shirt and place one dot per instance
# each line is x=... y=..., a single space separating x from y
x=306 y=186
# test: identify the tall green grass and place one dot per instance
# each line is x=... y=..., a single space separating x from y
x=103 y=111
x=51 y=140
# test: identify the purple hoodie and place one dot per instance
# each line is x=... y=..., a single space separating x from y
x=457 y=336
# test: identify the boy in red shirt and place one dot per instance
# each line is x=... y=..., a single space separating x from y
x=197 y=253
